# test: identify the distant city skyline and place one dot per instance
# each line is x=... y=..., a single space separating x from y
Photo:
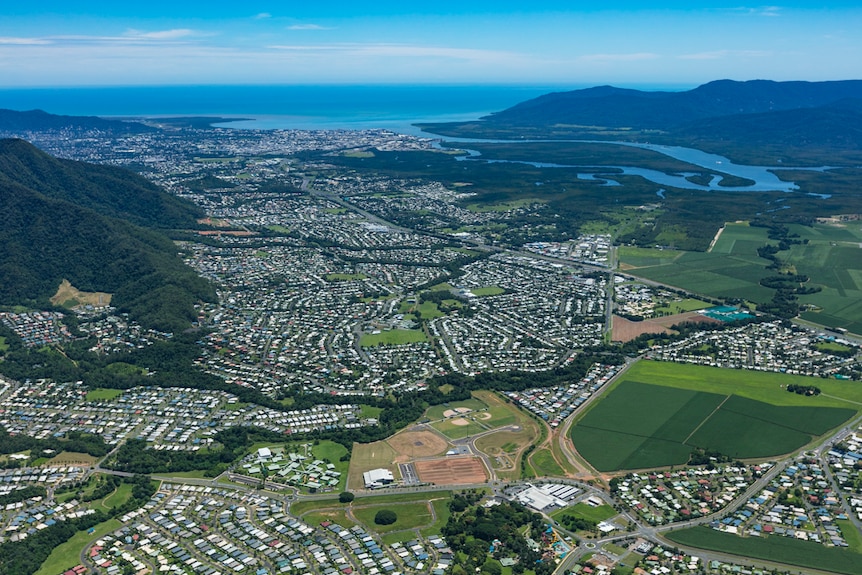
x=672 y=43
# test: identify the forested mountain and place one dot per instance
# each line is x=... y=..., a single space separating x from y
x=37 y=120
x=616 y=107
x=109 y=190
x=52 y=229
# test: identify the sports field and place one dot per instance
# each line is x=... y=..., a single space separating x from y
x=392 y=337
x=658 y=412
x=832 y=258
x=452 y=471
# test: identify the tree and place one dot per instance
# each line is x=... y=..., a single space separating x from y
x=346 y=497
x=385 y=517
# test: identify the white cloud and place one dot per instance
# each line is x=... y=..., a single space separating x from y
x=262 y=16
x=397 y=50
x=634 y=57
x=308 y=27
x=174 y=34
x=6 y=40
x=722 y=54
x=769 y=11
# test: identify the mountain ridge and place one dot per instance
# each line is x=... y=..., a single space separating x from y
x=47 y=237
x=619 y=107
x=109 y=190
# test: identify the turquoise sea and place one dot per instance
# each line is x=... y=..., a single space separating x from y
x=303 y=107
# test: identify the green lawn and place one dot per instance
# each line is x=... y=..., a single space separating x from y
x=658 y=412
x=392 y=337
x=118 y=497
x=544 y=464
x=436 y=411
x=682 y=306
x=410 y=516
x=369 y=411
x=772 y=548
x=453 y=431
x=428 y=309
x=487 y=291
x=67 y=555
x=585 y=511
x=3 y=345
x=344 y=277
x=100 y=394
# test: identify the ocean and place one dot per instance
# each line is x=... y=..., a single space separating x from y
x=299 y=107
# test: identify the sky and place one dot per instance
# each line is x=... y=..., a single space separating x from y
x=52 y=43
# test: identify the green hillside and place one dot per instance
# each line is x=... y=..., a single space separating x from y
x=46 y=239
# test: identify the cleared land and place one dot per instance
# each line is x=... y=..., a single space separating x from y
x=626 y=330
x=69 y=296
x=659 y=412
x=73 y=458
x=452 y=471
x=832 y=258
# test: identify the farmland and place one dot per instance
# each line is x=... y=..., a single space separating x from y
x=658 y=413
x=830 y=254
x=773 y=548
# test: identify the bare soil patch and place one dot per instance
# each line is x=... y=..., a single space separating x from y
x=452 y=471
x=626 y=330
x=460 y=421
x=69 y=294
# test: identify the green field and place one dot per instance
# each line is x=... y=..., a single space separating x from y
x=832 y=258
x=436 y=411
x=658 y=412
x=67 y=555
x=3 y=345
x=427 y=309
x=119 y=496
x=410 y=516
x=544 y=464
x=487 y=291
x=682 y=306
x=392 y=337
x=772 y=548
x=585 y=511
x=454 y=431
x=344 y=277
x=100 y=394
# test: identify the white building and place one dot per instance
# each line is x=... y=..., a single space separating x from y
x=377 y=478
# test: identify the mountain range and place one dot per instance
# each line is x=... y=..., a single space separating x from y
x=753 y=121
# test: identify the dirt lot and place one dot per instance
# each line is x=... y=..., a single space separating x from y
x=625 y=330
x=67 y=293
x=412 y=444
x=452 y=471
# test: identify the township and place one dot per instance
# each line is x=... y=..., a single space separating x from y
x=325 y=287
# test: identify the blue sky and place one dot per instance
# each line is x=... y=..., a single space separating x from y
x=673 y=43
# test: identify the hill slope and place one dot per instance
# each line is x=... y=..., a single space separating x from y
x=109 y=190
x=46 y=239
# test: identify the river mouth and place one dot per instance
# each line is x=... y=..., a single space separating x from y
x=763 y=178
